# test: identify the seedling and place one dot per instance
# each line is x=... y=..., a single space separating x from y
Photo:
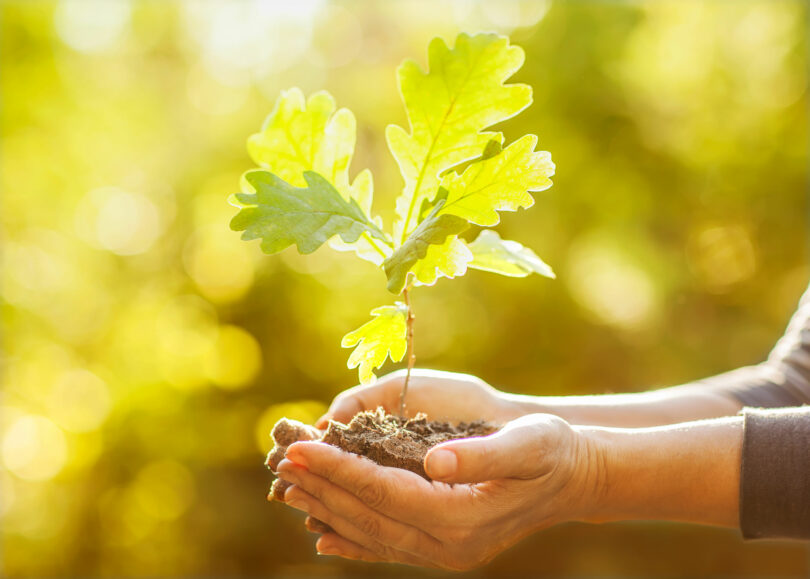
x=456 y=174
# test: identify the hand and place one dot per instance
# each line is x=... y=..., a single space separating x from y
x=441 y=395
x=535 y=472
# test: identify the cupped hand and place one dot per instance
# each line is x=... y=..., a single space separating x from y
x=441 y=395
x=535 y=472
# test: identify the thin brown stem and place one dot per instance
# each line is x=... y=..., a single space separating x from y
x=411 y=355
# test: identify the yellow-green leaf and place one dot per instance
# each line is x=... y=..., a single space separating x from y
x=509 y=258
x=448 y=109
x=385 y=335
x=500 y=182
x=449 y=259
x=309 y=135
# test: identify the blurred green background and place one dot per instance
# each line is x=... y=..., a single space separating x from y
x=147 y=351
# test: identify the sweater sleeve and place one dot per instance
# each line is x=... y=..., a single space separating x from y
x=775 y=478
x=784 y=379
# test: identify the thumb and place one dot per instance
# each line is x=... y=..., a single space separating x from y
x=518 y=450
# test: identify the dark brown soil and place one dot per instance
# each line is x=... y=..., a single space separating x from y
x=389 y=441
x=385 y=439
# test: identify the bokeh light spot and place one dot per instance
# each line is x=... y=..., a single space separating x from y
x=236 y=360
x=34 y=448
x=119 y=221
x=92 y=25
x=610 y=286
x=220 y=264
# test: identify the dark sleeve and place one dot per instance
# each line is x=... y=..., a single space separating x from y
x=784 y=379
x=775 y=478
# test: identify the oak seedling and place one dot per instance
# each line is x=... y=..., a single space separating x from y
x=456 y=174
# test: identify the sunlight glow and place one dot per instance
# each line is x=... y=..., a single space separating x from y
x=92 y=25
x=611 y=286
x=34 y=448
x=237 y=359
x=121 y=222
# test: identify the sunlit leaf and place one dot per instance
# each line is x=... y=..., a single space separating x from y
x=385 y=335
x=450 y=259
x=500 y=182
x=300 y=136
x=311 y=135
x=509 y=258
x=433 y=231
x=281 y=214
x=448 y=108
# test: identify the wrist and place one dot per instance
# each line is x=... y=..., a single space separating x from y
x=588 y=489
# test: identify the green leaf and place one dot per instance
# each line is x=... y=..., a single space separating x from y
x=433 y=231
x=448 y=108
x=509 y=258
x=385 y=335
x=281 y=214
x=300 y=136
x=500 y=182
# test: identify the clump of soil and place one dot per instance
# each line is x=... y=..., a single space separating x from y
x=386 y=439
x=390 y=441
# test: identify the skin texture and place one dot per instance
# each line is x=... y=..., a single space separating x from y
x=539 y=470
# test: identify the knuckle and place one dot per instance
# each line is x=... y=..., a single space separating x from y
x=374 y=495
x=368 y=525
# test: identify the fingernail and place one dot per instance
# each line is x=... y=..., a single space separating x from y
x=298 y=504
x=296 y=457
x=442 y=464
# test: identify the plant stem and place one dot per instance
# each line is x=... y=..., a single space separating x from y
x=411 y=355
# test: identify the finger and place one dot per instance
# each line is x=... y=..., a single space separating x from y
x=376 y=526
x=383 y=393
x=397 y=493
x=317 y=526
x=300 y=499
x=334 y=544
x=519 y=450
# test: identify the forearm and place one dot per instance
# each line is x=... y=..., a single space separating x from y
x=668 y=406
x=686 y=472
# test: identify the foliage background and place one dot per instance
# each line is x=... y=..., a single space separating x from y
x=147 y=351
